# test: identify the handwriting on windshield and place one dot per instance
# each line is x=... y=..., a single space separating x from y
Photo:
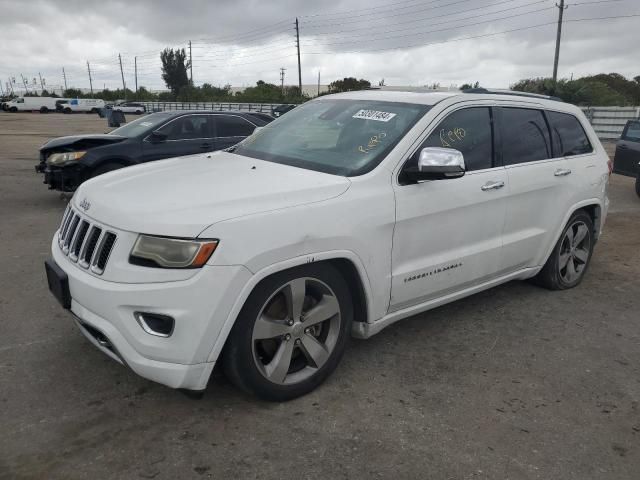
x=372 y=143
x=448 y=138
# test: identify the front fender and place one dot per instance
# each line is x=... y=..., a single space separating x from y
x=284 y=265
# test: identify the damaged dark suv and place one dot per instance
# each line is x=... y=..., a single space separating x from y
x=68 y=161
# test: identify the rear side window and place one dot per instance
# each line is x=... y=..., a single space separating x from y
x=468 y=131
x=231 y=126
x=525 y=136
x=568 y=135
x=632 y=132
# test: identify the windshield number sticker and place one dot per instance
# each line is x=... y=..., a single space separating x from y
x=448 y=138
x=374 y=115
x=372 y=143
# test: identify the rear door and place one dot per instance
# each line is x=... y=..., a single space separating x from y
x=231 y=129
x=186 y=135
x=628 y=150
x=539 y=186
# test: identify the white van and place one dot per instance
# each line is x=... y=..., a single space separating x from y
x=29 y=104
x=91 y=105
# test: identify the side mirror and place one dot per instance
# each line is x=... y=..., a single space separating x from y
x=437 y=163
x=158 y=137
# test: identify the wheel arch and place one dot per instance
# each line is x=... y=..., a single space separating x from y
x=346 y=262
x=593 y=207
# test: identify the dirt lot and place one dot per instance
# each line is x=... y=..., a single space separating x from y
x=514 y=383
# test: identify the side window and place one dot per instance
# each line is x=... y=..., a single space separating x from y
x=525 y=136
x=632 y=132
x=187 y=128
x=231 y=126
x=467 y=130
x=568 y=135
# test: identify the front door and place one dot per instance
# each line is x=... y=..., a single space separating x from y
x=448 y=233
x=186 y=135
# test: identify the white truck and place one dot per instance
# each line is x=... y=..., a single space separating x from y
x=87 y=105
x=30 y=104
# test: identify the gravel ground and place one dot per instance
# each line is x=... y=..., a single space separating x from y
x=513 y=383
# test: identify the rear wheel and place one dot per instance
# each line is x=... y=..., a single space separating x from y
x=291 y=333
x=67 y=110
x=44 y=110
x=13 y=109
x=138 y=112
x=567 y=264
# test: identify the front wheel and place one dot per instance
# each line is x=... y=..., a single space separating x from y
x=44 y=110
x=13 y=109
x=567 y=264
x=291 y=333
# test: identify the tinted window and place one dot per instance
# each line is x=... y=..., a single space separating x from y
x=187 y=127
x=632 y=132
x=568 y=135
x=468 y=131
x=230 y=126
x=525 y=136
x=141 y=126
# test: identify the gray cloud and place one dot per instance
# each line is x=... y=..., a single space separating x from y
x=238 y=42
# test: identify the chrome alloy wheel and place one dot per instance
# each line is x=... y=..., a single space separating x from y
x=574 y=252
x=296 y=331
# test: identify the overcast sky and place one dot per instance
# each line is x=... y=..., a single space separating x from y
x=411 y=42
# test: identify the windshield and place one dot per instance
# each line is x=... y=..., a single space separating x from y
x=337 y=136
x=142 y=125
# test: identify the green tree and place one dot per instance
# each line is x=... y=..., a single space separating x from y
x=467 y=86
x=348 y=84
x=174 y=69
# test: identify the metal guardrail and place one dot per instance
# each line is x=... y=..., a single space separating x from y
x=214 y=106
x=608 y=122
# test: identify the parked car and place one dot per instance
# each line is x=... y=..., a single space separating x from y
x=84 y=105
x=68 y=161
x=627 y=157
x=31 y=104
x=130 y=107
x=345 y=215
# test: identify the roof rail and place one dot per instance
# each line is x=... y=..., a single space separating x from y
x=515 y=93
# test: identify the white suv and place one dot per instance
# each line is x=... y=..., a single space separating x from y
x=349 y=213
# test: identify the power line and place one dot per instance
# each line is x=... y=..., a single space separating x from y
x=473 y=37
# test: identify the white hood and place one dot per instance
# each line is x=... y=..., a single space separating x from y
x=182 y=196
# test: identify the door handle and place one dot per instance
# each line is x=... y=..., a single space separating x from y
x=492 y=186
x=562 y=172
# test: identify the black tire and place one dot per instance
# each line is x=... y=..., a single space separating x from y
x=551 y=276
x=240 y=364
x=67 y=110
x=638 y=185
x=44 y=110
x=138 y=112
x=104 y=168
x=13 y=109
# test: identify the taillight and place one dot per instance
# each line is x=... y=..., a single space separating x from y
x=610 y=165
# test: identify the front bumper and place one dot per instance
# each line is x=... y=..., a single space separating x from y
x=64 y=179
x=200 y=306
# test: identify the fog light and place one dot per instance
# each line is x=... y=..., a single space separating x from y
x=155 y=324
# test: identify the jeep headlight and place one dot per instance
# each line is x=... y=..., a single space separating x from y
x=59 y=159
x=166 y=252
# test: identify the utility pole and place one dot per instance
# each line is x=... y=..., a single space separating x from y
x=135 y=69
x=124 y=86
x=190 y=64
x=1 y=89
x=90 y=80
x=561 y=9
x=41 y=82
x=298 y=47
x=64 y=75
x=282 y=69
x=318 y=83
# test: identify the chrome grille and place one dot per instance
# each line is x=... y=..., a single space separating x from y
x=85 y=243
